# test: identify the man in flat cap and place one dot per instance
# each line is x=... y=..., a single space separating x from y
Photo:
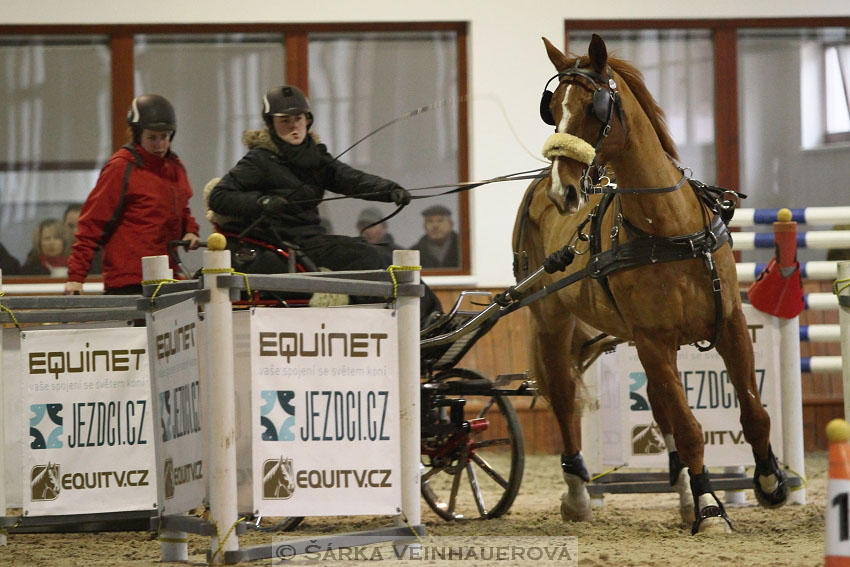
x=440 y=246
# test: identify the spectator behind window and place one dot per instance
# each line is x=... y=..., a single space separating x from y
x=439 y=247
x=377 y=234
x=50 y=248
x=69 y=219
x=8 y=263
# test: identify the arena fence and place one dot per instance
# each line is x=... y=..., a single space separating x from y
x=221 y=287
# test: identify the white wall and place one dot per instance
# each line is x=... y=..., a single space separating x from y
x=507 y=66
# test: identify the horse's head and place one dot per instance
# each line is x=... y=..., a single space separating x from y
x=603 y=114
x=587 y=112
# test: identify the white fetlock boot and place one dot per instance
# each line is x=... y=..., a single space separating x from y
x=575 y=503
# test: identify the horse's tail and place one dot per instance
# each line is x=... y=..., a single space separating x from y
x=589 y=344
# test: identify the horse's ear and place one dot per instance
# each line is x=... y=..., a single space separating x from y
x=558 y=59
x=598 y=54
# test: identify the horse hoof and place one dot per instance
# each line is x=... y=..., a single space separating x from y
x=714 y=526
x=771 y=490
x=576 y=509
x=712 y=521
x=686 y=499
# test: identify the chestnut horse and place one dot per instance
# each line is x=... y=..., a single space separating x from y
x=684 y=291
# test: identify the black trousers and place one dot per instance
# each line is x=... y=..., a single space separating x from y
x=337 y=253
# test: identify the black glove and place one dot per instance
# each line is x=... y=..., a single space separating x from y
x=272 y=204
x=400 y=196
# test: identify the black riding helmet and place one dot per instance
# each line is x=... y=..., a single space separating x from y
x=152 y=112
x=284 y=100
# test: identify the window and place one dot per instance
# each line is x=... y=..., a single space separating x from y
x=56 y=134
x=360 y=82
x=66 y=94
x=837 y=92
x=677 y=66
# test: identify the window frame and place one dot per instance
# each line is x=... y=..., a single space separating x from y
x=836 y=137
x=121 y=40
x=724 y=33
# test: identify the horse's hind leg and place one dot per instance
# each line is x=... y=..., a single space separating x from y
x=658 y=358
x=736 y=348
x=555 y=368
x=680 y=478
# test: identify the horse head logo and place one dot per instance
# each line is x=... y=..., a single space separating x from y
x=168 y=472
x=647 y=440
x=278 y=479
x=44 y=482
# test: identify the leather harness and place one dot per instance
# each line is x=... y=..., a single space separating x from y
x=641 y=250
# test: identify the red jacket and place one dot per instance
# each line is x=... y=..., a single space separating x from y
x=156 y=210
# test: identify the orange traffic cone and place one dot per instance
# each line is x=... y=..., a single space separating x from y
x=778 y=290
x=838 y=495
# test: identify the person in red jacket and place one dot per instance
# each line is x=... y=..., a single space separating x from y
x=139 y=204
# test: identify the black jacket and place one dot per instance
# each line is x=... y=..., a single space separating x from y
x=427 y=260
x=8 y=263
x=301 y=174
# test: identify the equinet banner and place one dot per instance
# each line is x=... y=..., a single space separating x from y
x=89 y=422
x=325 y=412
x=174 y=336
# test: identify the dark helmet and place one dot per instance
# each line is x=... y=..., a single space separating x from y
x=152 y=112
x=286 y=100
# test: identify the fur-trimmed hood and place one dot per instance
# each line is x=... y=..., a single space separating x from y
x=263 y=139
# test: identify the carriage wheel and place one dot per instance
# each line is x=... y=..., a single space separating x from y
x=480 y=474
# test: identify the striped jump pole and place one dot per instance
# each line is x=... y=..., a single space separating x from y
x=807 y=215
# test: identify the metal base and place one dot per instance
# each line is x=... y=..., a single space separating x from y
x=190 y=525
x=655 y=482
x=286 y=549
x=136 y=521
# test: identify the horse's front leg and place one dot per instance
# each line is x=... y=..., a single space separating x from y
x=736 y=349
x=680 y=478
x=554 y=365
x=657 y=353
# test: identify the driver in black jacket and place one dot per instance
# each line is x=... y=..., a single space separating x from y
x=284 y=176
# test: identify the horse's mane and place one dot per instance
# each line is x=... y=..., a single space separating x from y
x=634 y=79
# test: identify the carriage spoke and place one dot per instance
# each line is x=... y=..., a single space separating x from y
x=476 y=490
x=486 y=408
x=491 y=472
x=455 y=487
x=430 y=473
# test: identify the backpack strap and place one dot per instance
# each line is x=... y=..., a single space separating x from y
x=112 y=223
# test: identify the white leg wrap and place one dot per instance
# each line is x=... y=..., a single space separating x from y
x=713 y=525
x=575 y=503
x=686 y=497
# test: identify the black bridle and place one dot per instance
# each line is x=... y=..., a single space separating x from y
x=606 y=98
